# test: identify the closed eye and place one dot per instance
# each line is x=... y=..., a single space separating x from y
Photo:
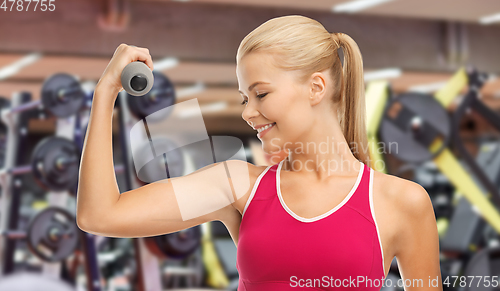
x=258 y=96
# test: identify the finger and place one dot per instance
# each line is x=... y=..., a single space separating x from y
x=142 y=52
x=121 y=47
x=139 y=48
x=142 y=49
x=145 y=57
x=149 y=62
x=137 y=55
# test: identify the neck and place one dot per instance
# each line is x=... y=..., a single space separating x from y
x=322 y=155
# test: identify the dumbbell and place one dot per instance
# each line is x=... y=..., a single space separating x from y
x=61 y=95
x=54 y=164
x=137 y=79
x=52 y=235
x=148 y=91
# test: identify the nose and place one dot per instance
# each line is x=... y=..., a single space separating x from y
x=249 y=114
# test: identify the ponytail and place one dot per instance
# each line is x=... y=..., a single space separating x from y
x=352 y=108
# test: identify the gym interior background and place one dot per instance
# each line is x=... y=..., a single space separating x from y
x=438 y=59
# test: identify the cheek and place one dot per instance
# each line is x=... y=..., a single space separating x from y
x=297 y=116
x=292 y=125
x=289 y=112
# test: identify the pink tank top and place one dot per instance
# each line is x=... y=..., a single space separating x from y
x=279 y=250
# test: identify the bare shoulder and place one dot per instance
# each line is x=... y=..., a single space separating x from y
x=244 y=178
x=412 y=224
x=408 y=204
x=404 y=193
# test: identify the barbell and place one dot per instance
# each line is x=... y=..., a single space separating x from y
x=61 y=95
x=52 y=235
x=54 y=164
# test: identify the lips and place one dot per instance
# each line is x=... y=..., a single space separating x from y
x=264 y=129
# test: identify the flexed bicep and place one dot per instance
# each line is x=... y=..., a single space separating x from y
x=232 y=180
x=175 y=204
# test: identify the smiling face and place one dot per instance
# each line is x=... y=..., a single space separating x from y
x=272 y=96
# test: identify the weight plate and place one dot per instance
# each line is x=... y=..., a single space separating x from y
x=55 y=163
x=177 y=245
x=53 y=234
x=62 y=95
x=168 y=163
x=411 y=123
x=161 y=96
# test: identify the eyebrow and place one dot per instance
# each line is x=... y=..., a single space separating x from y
x=253 y=85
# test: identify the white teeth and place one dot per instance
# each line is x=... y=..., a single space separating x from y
x=264 y=127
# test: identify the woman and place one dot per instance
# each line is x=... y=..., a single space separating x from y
x=321 y=218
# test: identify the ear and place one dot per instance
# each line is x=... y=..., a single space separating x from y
x=317 y=88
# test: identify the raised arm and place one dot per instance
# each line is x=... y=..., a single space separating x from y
x=169 y=205
x=158 y=208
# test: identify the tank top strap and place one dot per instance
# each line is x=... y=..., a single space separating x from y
x=360 y=201
x=264 y=187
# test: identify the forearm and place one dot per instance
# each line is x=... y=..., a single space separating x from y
x=97 y=188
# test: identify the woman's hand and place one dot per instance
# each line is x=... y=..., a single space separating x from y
x=123 y=55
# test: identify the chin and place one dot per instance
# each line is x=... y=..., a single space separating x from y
x=274 y=156
x=271 y=149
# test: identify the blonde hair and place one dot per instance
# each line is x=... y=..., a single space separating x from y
x=299 y=43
